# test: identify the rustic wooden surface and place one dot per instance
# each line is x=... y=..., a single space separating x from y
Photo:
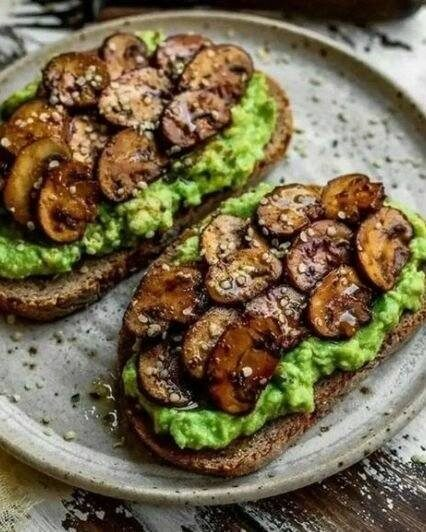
x=386 y=491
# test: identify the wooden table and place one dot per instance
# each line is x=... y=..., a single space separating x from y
x=386 y=491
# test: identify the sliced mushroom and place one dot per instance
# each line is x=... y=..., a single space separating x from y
x=287 y=209
x=284 y=306
x=173 y=54
x=340 y=304
x=166 y=294
x=382 y=245
x=33 y=120
x=67 y=201
x=160 y=377
x=192 y=117
x=240 y=366
x=224 y=69
x=86 y=138
x=317 y=250
x=122 y=53
x=222 y=236
x=26 y=174
x=352 y=197
x=202 y=337
x=128 y=161
x=136 y=99
x=243 y=275
x=6 y=162
x=75 y=79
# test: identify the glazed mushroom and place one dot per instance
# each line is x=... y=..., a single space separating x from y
x=382 y=245
x=351 y=197
x=318 y=249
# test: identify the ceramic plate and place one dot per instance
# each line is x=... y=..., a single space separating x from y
x=348 y=118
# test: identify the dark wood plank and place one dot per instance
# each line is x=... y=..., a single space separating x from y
x=87 y=512
x=379 y=493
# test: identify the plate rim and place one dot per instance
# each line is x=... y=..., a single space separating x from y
x=261 y=488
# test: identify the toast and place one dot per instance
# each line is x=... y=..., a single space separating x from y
x=46 y=299
x=245 y=454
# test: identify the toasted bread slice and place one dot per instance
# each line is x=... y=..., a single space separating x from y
x=45 y=299
x=248 y=454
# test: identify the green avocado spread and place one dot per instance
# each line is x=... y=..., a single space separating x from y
x=226 y=162
x=292 y=387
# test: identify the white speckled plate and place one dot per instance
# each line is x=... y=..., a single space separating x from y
x=348 y=118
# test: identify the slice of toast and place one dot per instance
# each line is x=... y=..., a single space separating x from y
x=45 y=299
x=248 y=454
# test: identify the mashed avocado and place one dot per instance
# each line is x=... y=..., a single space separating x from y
x=292 y=388
x=18 y=98
x=225 y=162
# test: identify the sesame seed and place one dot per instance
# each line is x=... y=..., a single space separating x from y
x=53 y=164
x=5 y=142
x=341 y=215
x=142 y=318
x=303 y=236
x=331 y=231
x=174 y=397
x=153 y=329
x=73 y=189
x=302 y=268
x=226 y=284
x=31 y=225
x=187 y=311
x=241 y=280
x=247 y=371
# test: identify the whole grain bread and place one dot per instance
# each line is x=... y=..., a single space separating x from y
x=247 y=454
x=45 y=299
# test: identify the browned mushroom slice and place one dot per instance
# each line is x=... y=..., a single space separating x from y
x=288 y=209
x=224 y=69
x=160 y=377
x=67 y=201
x=202 y=337
x=382 y=246
x=87 y=137
x=318 y=249
x=6 y=162
x=123 y=52
x=222 y=236
x=136 y=99
x=75 y=79
x=352 y=197
x=166 y=294
x=129 y=160
x=339 y=304
x=173 y=54
x=25 y=177
x=285 y=306
x=192 y=117
x=243 y=275
x=240 y=366
x=33 y=120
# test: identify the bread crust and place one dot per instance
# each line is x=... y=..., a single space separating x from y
x=46 y=299
x=248 y=454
